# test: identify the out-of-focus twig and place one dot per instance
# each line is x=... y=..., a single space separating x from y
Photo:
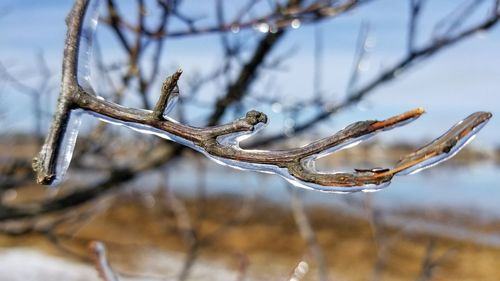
x=307 y=233
x=430 y=262
x=36 y=93
x=278 y=18
x=98 y=253
x=415 y=9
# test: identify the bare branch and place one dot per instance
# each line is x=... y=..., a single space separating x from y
x=114 y=21
x=364 y=33
x=456 y=19
x=430 y=261
x=318 y=67
x=308 y=235
x=247 y=74
x=279 y=19
x=35 y=93
x=98 y=252
x=415 y=8
x=117 y=177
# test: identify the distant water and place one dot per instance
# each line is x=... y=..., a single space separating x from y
x=462 y=188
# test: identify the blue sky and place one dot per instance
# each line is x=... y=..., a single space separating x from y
x=456 y=82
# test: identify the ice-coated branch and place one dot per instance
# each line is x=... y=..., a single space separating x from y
x=221 y=143
x=45 y=163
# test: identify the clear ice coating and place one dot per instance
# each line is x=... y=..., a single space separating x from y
x=464 y=131
x=444 y=147
x=234 y=139
x=309 y=162
x=89 y=27
x=172 y=101
x=67 y=145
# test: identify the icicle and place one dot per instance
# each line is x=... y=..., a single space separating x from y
x=86 y=39
x=67 y=146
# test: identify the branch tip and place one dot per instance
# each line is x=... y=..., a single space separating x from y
x=254 y=117
x=169 y=90
x=399 y=119
x=42 y=177
x=98 y=254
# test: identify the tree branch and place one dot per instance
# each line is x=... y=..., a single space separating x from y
x=221 y=143
x=279 y=18
x=44 y=163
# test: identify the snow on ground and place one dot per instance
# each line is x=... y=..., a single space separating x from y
x=26 y=264
x=23 y=264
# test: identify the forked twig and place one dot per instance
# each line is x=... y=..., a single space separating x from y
x=221 y=143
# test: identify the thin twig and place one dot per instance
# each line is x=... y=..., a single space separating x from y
x=98 y=252
x=167 y=90
x=307 y=233
x=430 y=262
x=280 y=18
x=415 y=8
